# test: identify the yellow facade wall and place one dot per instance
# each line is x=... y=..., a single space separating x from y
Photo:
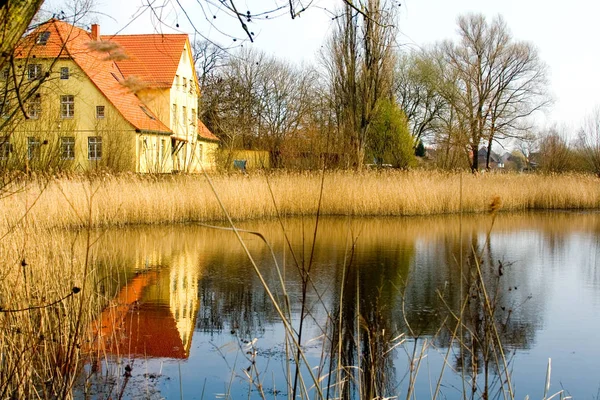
x=36 y=142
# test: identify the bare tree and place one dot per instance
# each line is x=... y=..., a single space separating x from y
x=416 y=81
x=555 y=154
x=497 y=82
x=231 y=99
x=360 y=64
x=589 y=141
x=527 y=146
x=285 y=101
x=208 y=58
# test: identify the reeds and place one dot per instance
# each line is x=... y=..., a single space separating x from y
x=44 y=314
x=132 y=199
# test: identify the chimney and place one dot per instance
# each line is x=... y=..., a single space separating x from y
x=95 y=32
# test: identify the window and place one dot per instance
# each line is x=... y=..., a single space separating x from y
x=67 y=147
x=145 y=110
x=99 y=112
x=67 y=106
x=193 y=118
x=5 y=74
x=184 y=84
x=174 y=116
x=42 y=38
x=200 y=152
x=4 y=147
x=176 y=81
x=94 y=147
x=161 y=154
x=34 y=71
x=33 y=147
x=34 y=107
x=64 y=73
x=184 y=116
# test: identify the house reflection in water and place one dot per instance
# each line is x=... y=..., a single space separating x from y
x=154 y=314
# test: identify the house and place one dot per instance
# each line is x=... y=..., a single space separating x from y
x=125 y=102
x=495 y=160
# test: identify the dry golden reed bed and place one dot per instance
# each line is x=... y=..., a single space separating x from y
x=132 y=199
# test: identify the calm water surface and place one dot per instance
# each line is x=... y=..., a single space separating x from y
x=191 y=318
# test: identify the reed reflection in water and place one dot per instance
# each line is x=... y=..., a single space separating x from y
x=394 y=305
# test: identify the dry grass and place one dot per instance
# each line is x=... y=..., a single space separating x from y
x=131 y=199
x=45 y=312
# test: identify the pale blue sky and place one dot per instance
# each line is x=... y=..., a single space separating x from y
x=566 y=35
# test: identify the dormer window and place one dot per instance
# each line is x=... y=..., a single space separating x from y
x=42 y=38
x=145 y=110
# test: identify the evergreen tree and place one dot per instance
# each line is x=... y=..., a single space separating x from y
x=420 y=150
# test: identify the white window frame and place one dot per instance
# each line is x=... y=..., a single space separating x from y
x=67 y=106
x=67 y=147
x=33 y=147
x=42 y=38
x=34 y=107
x=94 y=148
x=34 y=71
x=100 y=112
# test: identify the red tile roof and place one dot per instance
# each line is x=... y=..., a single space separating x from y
x=153 y=58
x=205 y=134
x=65 y=40
x=115 y=64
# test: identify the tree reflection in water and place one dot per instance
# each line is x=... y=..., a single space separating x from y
x=406 y=289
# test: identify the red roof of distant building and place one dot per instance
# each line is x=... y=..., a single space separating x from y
x=204 y=133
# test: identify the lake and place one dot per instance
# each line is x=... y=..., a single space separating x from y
x=425 y=306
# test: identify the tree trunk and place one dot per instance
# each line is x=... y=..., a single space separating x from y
x=475 y=159
x=488 y=155
x=15 y=17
